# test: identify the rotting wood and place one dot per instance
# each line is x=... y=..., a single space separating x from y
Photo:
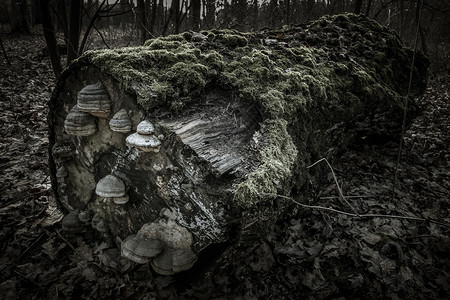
x=236 y=117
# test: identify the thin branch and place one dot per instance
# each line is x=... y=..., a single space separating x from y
x=364 y=216
x=91 y=24
x=4 y=52
x=67 y=242
x=341 y=195
x=405 y=112
x=28 y=249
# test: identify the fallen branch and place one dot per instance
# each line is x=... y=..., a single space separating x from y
x=341 y=195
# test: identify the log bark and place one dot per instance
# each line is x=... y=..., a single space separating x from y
x=239 y=117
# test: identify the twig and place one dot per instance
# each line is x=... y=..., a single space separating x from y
x=405 y=111
x=359 y=215
x=26 y=250
x=67 y=242
x=348 y=197
x=25 y=277
x=4 y=52
x=341 y=195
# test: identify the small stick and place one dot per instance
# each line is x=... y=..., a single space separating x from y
x=337 y=184
x=4 y=52
x=67 y=242
x=359 y=215
x=26 y=250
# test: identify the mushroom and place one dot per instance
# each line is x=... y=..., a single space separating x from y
x=145 y=127
x=141 y=249
x=79 y=123
x=144 y=139
x=183 y=259
x=111 y=187
x=121 y=200
x=99 y=224
x=84 y=216
x=163 y=263
x=172 y=261
x=71 y=224
x=121 y=122
x=146 y=143
x=171 y=240
x=95 y=100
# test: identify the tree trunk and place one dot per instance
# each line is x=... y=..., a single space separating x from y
x=236 y=122
x=20 y=16
x=210 y=16
x=50 y=38
x=141 y=21
x=74 y=30
x=195 y=14
x=357 y=6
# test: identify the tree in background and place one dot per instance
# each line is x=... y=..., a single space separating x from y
x=21 y=16
x=77 y=19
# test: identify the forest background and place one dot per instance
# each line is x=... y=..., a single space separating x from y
x=78 y=23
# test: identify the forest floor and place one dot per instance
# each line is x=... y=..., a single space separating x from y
x=315 y=254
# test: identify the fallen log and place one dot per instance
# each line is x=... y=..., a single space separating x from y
x=171 y=147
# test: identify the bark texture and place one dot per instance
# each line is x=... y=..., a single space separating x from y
x=239 y=117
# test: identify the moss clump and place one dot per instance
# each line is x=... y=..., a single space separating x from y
x=230 y=39
x=288 y=83
x=277 y=159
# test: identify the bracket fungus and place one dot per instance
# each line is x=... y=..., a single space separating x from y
x=94 y=99
x=168 y=243
x=111 y=187
x=79 y=123
x=99 y=224
x=141 y=249
x=71 y=224
x=145 y=127
x=173 y=261
x=144 y=139
x=121 y=122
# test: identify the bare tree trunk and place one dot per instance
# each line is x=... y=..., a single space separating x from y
x=357 y=6
x=4 y=52
x=62 y=18
x=50 y=38
x=402 y=18
x=74 y=31
x=176 y=6
x=288 y=11
x=369 y=4
x=141 y=21
x=21 y=16
x=210 y=13
x=151 y=23
x=195 y=13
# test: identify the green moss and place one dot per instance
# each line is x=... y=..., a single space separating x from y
x=230 y=38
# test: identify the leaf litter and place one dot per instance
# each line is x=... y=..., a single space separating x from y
x=314 y=254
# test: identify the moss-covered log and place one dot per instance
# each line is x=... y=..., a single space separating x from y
x=230 y=120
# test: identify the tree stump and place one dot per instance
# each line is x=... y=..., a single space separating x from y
x=170 y=147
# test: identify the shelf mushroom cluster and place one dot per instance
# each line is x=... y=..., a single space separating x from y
x=165 y=244
x=92 y=101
